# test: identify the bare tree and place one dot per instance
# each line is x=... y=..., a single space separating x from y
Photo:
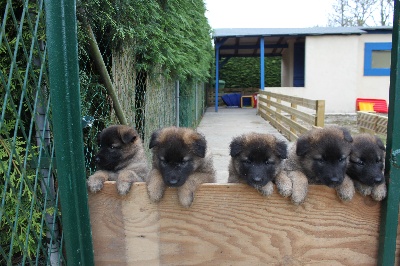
x=386 y=8
x=362 y=12
x=348 y=13
x=339 y=16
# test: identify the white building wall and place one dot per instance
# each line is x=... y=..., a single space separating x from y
x=372 y=86
x=287 y=65
x=334 y=67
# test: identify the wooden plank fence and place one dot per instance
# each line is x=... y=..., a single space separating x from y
x=232 y=224
x=284 y=113
x=372 y=123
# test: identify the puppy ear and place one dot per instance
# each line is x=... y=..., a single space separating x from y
x=303 y=145
x=380 y=143
x=199 y=146
x=281 y=149
x=154 y=139
x=128 y=135
x=236 y=146
x=346 y=134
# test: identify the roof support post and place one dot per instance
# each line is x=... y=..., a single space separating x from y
x=390 y=206
x=216 y=76
x=262 y=63
x=218 y=43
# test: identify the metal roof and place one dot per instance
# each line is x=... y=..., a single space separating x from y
x=245 y=42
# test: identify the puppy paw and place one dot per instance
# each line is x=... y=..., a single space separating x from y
x=267 y=189
x=345 y=194
x=284 y=185
x=298 y=197
x=155 y=186
x=186 y=195
x=186 y=198
x=362 y=189
x=346 y=190
x=95 y=182
x=123 y=187
x=300 y=187
x=379 y=192
x=155 y=194
x=94 y=185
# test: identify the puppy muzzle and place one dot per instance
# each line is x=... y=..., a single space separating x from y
x=257 y=181
x=334 y=182
x=174 y=181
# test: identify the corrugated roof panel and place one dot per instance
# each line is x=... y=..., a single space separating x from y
x=241 y=32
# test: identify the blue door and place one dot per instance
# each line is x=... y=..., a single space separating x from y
x=298 y=64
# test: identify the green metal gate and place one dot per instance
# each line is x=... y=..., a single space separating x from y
x=54 y=102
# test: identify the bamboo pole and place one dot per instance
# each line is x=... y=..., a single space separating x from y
x=101 y=67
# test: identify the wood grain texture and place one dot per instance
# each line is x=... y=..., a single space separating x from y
x=232 y=224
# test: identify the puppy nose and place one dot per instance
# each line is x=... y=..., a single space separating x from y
x=335 y=179
x=378 y=179
x=173 y=181
x=257 y=179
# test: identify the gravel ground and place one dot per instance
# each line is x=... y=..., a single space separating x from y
x=348 y=120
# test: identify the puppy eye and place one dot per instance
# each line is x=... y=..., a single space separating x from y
x=360 y=162
x=269 y=162
x=320 y=160
x=247 y=161
x=342 y=159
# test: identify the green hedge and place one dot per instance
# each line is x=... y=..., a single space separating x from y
x=245 y=72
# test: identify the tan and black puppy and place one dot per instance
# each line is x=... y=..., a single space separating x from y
x=180 y=159
x=366 y=165
x=121 y=158
x=320 y=156
x=256 y=159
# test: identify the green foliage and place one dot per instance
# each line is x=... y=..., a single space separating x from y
x=15 y=47
x=20 y=211
x=172 y=34
x=26 y=225
x=245 y=72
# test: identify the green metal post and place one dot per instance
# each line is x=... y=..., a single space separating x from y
x=390 y=207
x=62 y=48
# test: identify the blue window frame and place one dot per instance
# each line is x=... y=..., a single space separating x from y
x=377 y=59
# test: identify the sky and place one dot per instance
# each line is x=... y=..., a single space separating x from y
x=267 y=13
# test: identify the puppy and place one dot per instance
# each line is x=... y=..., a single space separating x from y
x=256 y=159
x=121 y=158
x=366 y=165
x=180 y=159
x=320 y=156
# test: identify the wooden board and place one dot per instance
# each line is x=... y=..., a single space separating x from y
x=232 y=224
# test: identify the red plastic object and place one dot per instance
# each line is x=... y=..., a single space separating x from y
x=255 y=96
x=380 y=105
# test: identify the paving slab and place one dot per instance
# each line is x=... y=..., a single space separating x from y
x=219 y=128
